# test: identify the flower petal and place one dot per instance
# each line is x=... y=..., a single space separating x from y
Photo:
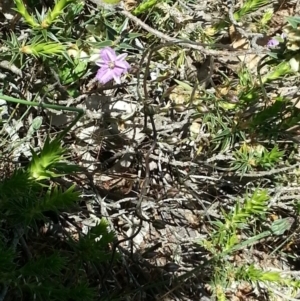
x=117 y=78
x=122 y=64
x=101 y=63
x=273 y=43
x=107 y=54
x=104 y=75
x=119 y=71
x=121 y=57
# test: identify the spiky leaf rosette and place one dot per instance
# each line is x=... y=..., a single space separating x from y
x=48 y=164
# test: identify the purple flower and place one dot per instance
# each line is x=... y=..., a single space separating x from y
x=112 y=66
x=275 y=42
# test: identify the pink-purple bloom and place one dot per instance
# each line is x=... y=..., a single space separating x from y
x=275 y=41
x=272 y=43
x=112 y=66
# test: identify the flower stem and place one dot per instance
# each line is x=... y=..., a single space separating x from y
x=48 y=106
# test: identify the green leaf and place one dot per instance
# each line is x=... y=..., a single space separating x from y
x=35 y=126
x=93 y=246
x=184 y=85
x=279 y=226
x=106 y=43
x=47 y=266
x=124 y=45
x=124 y=26
x=41 y=166
x=294 y=21
x=133 y=35
x=56 y=199
x=71 y=73
x=111 y=33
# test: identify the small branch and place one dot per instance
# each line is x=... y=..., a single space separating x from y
x=187 y=43
x=197 y=46
x=11 y=67
x=269 y=172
